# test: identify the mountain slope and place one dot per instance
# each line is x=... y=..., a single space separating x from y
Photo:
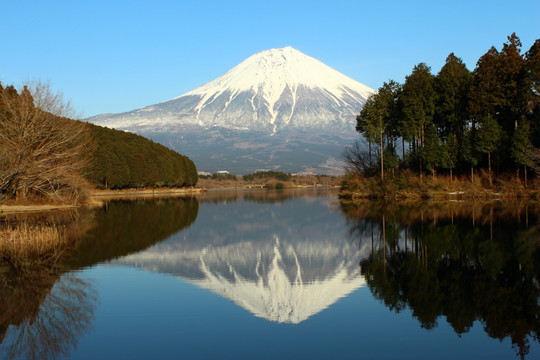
x=279 y=93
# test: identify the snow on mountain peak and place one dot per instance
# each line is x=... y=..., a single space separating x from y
x=271 y=71
x=269 y=91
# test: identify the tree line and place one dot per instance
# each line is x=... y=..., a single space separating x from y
x=457 y=120
x=46 y=154
x=124 y=160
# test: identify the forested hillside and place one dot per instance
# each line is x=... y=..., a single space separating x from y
x=122 y=160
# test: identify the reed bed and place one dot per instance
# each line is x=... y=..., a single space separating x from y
x=407 y=185
x=31 y=241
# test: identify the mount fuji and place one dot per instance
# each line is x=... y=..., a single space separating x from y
x=277 y=110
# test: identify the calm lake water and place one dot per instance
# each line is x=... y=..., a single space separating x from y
x=284 y=275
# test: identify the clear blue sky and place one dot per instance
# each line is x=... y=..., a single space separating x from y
x=114 y=56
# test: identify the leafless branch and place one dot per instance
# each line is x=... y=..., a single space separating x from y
x=359 y=159
x=41 y=152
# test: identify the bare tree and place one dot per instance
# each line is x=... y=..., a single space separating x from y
x=41 y=151
x=359 y=159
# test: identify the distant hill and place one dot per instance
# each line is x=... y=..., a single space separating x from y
x=122 y=160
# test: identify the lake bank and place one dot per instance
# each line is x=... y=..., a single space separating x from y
x=146 y=192
x=410 y=187
x=97 y=196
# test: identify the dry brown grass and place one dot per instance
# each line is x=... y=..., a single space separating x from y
x=407 y=185
x=31 y=241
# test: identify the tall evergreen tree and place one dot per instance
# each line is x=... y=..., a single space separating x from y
x=370 y=123
x=488 y=138
x=450 y=154
x=431 y=153
x=468 y=153
x=418 y=106
x=485 y=93
x=514 y=85
x=521 y=148
x=388 y=95
x=451 y=106
x=533 y=72
x=418 y=99
x=452 y=86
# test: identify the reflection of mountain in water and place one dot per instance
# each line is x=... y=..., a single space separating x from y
x=282 y=261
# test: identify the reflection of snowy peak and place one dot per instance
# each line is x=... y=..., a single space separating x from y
x=275 y=280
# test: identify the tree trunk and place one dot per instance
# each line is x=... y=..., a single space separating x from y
x=382 y=157
x=450 y=174
x=423 y=134
x=403 y=149
x=420 y=171
x=489 y=169
x=370 y=164
x=472 y=174
x=525 y=173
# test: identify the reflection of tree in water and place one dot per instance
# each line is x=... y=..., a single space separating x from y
x=44 y=306
x=42 y=316
x=126 y=227
x=447 y=262
x=43 y=310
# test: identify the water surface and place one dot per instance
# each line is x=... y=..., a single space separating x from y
x=294 y=274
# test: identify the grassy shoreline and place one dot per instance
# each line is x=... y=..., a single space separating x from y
x=146 y=192
x=95 y=198
x=408 y=186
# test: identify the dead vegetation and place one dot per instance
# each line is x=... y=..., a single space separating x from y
x=407 y=185
x=42 y=153
x=29 y=241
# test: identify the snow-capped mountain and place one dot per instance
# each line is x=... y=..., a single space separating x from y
x=278 y=93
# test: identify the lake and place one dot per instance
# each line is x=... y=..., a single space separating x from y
x=283 y=275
